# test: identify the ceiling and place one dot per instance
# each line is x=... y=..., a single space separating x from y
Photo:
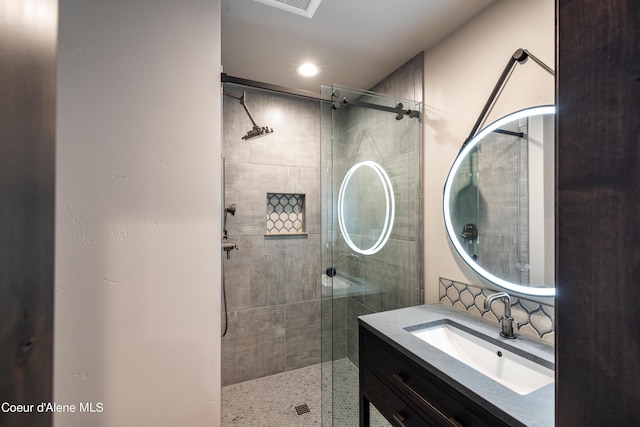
x=356 y=43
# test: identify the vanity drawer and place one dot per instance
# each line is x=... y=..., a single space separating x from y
x=398 y=412
x=431 y=397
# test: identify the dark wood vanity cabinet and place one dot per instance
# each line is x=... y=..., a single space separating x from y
x=407 y=394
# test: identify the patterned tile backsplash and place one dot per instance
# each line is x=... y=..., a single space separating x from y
x=535 y=319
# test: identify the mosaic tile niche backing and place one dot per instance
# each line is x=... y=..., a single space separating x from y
x=535 y=319
x=285 y=214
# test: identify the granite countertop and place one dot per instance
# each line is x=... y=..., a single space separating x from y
x=535 y=409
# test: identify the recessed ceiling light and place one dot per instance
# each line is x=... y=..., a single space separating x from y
x=308 y=70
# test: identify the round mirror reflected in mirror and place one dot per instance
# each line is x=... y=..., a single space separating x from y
x=366 y=207
x=499 y=202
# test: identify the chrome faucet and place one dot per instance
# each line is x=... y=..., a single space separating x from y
x=506 y=321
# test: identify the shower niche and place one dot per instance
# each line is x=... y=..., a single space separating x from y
x=285 y=214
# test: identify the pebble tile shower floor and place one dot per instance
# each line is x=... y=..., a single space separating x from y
x=276 y=400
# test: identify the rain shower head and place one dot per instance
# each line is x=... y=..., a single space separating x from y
x=256 y=131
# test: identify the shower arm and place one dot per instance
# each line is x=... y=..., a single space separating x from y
x=241 y=99
x=519 y=57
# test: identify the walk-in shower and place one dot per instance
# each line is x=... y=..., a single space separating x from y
x=294 y=297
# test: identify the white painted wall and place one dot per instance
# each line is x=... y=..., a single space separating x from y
x=137 y=300
x=460 y=73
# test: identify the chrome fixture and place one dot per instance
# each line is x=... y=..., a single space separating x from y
x=506 y=321
x=228 y=247
x=230 y=209
x=256 y=130
x=469 y=232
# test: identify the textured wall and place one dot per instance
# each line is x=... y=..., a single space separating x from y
x=272 y=282
x=137 y=318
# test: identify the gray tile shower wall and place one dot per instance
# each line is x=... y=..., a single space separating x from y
x=272 y=282
x=535 y=319
x=393 y=274
x=405 y=82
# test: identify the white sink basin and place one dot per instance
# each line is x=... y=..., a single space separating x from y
x=485 y=356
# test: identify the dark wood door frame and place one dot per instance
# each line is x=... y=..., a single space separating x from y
x=598 y=213
x=27 y=198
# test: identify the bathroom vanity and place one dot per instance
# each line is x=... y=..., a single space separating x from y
x=414 y=383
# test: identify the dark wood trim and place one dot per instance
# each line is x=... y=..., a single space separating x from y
x=27 y=200
x=598 y=213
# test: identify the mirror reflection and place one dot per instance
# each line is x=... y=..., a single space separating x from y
x=366 y=207
x=499 y=202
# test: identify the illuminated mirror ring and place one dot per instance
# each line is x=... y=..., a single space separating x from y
x=390 y=207
x=447 y=198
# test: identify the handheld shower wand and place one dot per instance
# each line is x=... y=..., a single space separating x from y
x=230 y=209
x=227 y=247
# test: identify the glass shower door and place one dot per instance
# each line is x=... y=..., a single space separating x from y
x=371 y=233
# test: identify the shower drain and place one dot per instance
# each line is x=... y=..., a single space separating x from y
x=302 y=409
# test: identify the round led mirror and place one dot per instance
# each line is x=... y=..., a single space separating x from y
x=366 y=207
x=499 y=202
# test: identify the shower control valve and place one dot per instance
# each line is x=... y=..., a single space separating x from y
x=228 y=247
